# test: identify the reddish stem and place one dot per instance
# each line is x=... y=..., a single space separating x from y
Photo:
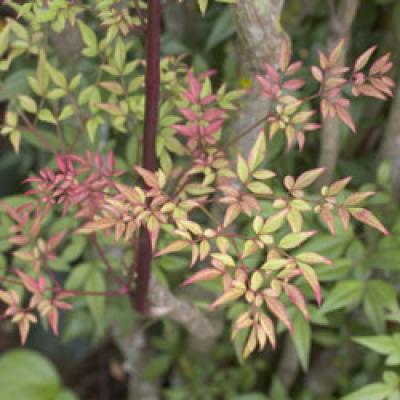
x=152 y=80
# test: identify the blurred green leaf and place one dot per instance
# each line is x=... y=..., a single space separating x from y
x=344 y=294
x=26 y=375
x=302 y=339
x=16 y=83
x=223 y=28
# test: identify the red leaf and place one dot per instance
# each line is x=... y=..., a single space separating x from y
x=293 y=84
x=52 y=317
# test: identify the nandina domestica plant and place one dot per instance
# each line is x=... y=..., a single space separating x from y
x=186 y=192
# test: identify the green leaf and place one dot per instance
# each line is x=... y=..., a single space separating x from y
x=203 y=5
x=78 y=276
x=344 y=294
x=223 y=28
x=293 y=240
x=251 y=396
x=57 y=76
x=376 y=391
x=27 y=375
x=28 y=104
x=302 y=339
x=278 y=390
x=89 y=37
x=15 y=83
x=120 y=54
x=378 y=297
x=75 y=249
x=67 y=111
x=46 y=116
x=380 y=344
x=156 y=367
x=242 y=169
x=66 y=395
x=96 y=283
x=4 y=37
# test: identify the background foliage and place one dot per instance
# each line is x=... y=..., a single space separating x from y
x=351 y=348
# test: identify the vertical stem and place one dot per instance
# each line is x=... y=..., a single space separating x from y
x=152 y=81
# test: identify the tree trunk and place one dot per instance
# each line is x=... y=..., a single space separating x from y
x=341 y=19
x=391 y=143
x=260 y=35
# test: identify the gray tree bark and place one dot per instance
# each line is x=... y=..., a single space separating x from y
x=342 y=15
x=260 y=35
x=390 y=149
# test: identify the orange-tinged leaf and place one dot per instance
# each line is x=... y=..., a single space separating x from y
x=261 y=337
x=274 y=222
x=345 y=116
x=149 y=177
x=226 y=259
x=204 y=249
x=250 y=344
x=112 y=86
x=284 y=54
x=363 y=59
x=242 y=169
x=191 y=226
x=279 y=310
x=263 y=174
x=256 y=281
x=356 y=198
x=323 y=61
x=336 y=53
x=336 y=187
x=379 y=64
x=24 y=255
x=258 y=151
x=28 y=281
x=344 y=217
x=52 y=317
x=259 y=188
x=295 y=220
x=296 y=298
x=134 y=195
x=243 y=321
x=250 y=247
x=111 y=109
x=367 y=217
x=328 y=219
x=174 y=247
x=195 y=254
x=232 y=212
x=293 y=240
x=268 y=327
x=313 y=258
x=308 y=178
x=317 y=73
x=312 y=279
x=229 y=296
x=205 y=274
